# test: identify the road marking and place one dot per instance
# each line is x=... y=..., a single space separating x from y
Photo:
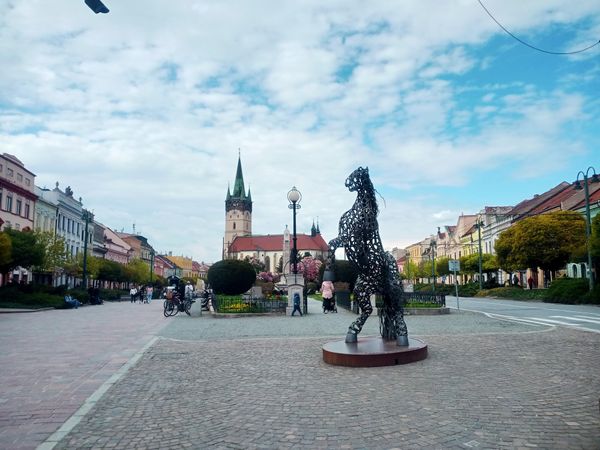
x=517 y=319
x=535 y=320
x=559 y=322
x=578 y=319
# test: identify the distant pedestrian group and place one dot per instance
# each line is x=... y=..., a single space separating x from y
x=141 y=293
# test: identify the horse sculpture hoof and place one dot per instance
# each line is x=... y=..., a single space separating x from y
x=351 y=338
x=402 y=341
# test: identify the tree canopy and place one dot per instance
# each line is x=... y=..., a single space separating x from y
x=26 y=250
x=546 y=241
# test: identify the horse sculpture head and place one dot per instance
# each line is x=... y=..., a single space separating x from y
x=359 y=180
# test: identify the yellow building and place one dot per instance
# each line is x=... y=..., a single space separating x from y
x=186 y=264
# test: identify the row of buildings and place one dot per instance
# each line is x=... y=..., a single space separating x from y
x=472 y=230
x=25 y=206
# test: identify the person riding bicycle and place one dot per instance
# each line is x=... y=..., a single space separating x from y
x=188 y=290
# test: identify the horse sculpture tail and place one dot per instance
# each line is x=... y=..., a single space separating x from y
x=391 y=318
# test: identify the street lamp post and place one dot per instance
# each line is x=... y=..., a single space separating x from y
x=588 y=225
x=86 y=217
x=479 y=237
x=294 y=196
x=151 y=265
x=433 y=263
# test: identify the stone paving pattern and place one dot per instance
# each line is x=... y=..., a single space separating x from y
x=237 y=383
x=52 y=361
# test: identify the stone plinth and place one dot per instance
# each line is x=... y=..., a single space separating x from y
x=373 y=352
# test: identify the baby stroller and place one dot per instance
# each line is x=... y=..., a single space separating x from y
x=329 y=305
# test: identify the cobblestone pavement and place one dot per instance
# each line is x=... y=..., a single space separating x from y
x=52 y=361
x=262 y=383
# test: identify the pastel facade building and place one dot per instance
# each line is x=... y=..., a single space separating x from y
x=17 y=194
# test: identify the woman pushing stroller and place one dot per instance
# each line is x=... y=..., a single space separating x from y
x=327 y=291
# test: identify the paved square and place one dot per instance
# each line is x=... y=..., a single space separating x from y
x=486 y=384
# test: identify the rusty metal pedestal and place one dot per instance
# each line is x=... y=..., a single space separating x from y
x=373 y=352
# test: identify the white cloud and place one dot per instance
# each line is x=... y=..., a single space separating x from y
x=142 y=110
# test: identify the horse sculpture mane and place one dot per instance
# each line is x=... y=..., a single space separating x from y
x=377 y=269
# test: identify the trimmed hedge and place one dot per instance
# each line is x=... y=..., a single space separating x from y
x=231 y=276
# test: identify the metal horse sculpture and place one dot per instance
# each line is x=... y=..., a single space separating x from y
x=377 y=269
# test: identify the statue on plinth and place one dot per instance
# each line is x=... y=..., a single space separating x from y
x=377 y=269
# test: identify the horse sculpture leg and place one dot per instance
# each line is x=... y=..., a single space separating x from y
x=401 y=330
x=364 y=303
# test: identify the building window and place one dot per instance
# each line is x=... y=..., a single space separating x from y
x=19 y=177
x=9 y=203
x=234 y=225
x=27 y=182
x=27 y=210
x=0 y=167
x=9 y=172
x=19 y=204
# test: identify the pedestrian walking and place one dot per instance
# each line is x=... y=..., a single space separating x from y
x=530 y=282
x=149 y=292
x=132 y=294
x=297 y=304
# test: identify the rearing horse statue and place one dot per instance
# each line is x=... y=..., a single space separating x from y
x=377 y=269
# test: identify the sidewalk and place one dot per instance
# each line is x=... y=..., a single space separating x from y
x=52 y=361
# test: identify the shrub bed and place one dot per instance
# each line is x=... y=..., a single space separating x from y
x=513 y=293
x=568 y=291
x=464 y=290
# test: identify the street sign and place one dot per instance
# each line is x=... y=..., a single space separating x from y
x=454 y=265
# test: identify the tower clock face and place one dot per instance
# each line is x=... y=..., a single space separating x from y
x=240 y=205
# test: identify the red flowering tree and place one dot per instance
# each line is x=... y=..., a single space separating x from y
x=309 y=267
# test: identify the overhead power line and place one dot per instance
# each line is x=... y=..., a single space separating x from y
x=533 y=46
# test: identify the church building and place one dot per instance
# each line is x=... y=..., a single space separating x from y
x=273 y=250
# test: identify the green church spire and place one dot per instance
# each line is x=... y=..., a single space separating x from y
x=238 y=199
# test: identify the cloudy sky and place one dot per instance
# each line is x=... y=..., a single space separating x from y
x=142 y=110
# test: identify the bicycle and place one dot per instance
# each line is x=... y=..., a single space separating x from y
x=174 y=305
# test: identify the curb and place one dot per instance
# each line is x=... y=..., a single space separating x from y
x=18 y=310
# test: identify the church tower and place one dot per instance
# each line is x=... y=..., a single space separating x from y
x=238 y=211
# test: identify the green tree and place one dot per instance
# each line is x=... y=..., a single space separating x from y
x=137 y=271
x=5 y=252
x=546 y=241
x=55 y=253
x=411 y=270
x=507 y=260
x=110 y=271
x=489 y=263
x=345 y=271
x=441 y=266
x=26 y=251
x=595 y=239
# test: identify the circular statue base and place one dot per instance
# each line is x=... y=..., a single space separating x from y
x=373 y=352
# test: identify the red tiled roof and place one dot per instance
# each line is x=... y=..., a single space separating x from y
x=554 y=202
x=577 y=201
x=527 y=206
x=274 y=242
